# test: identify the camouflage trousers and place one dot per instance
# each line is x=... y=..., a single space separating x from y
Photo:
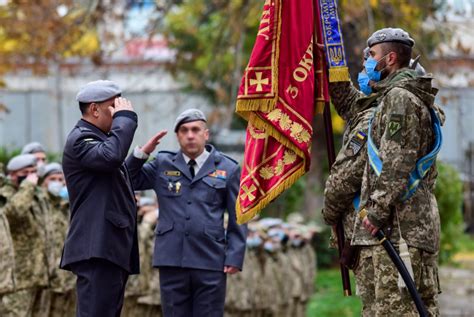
x=377 y=278
x=18 y=304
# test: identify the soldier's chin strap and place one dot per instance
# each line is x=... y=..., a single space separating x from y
x=397 y=261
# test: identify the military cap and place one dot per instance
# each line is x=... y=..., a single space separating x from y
x=33 y=147
x=48 y=169
x=390 y=35
x=21 y=161
x=189 y=115
x=98 y=91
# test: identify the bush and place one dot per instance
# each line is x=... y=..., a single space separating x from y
x=449 y=196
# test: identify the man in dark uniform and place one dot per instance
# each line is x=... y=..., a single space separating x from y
x=195 y=186
x=101 y=246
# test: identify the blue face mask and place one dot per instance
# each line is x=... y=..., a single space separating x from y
x=370 y=65
x=363 y=80
x=253 y=242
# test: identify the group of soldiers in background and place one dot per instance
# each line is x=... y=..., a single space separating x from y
x=277 y=279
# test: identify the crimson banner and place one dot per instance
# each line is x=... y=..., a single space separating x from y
x=276 y=97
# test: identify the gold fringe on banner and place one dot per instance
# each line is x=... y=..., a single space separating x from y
x=269 y=197
x=338 y=74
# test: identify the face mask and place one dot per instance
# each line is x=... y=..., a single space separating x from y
x=63 y=193
x=370 y=65
x=297 y=242
x=253 y=242
x=363 y=80
x=55 y=187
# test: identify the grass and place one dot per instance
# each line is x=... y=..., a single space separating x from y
x=328 y=300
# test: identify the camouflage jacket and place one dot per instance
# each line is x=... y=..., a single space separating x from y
x=7 y=257
x=61 y=281
x=345 y=178
x=401 y=130
x=27 y=211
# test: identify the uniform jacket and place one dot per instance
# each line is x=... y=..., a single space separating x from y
x=402 y=132
x=27 y=210
x=103 y=210
x=190 y=231
x=345 y=178
x=7 y=258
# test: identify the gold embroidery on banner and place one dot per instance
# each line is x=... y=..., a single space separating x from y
x=266 y=172
x=257 y=134
x=289 y=157
x=274 y=115
x=259 y=81
x=279 y=168
x=285 y=121
x=249 y=192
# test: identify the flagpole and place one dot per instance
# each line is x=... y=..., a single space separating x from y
x=339 y=229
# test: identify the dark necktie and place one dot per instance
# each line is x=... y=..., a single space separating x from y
x=191 y=164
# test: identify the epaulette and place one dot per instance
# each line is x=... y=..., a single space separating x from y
x=230 y=158
x=84 y=129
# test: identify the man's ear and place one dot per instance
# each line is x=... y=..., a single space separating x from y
x=94 y=109
x=392 y=58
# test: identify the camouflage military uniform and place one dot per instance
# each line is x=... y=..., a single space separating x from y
x=27 y=212
x=7 y=260
x=402 y=132
x=345 y=178
x=139 y=285
x=61 y=292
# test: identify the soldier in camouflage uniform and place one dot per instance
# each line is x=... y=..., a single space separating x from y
x=7 y=260
x=402 y=132
x=27 y=213
x=345 y=179
x=59 y=299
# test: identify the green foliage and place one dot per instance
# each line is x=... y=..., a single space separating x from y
x=328 y=300
x=213 y=40
x=6 y=155
x=449 y=196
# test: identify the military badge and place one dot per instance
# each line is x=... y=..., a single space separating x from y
x=221 y=174
x=177 y=187
x=356 y=143
x=394 y=126
x=172 y=173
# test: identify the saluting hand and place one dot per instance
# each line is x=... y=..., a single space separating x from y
x=120 y=103
x=150 y=146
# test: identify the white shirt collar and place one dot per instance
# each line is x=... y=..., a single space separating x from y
x=200 y=160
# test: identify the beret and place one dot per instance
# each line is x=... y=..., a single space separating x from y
x=98 y=91
x=51 y=168
x=21 y=161
x=33 y=147
x=189 y=115
x=390 y=35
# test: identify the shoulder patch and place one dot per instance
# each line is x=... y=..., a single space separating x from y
x=395 y=125
x=356 y=143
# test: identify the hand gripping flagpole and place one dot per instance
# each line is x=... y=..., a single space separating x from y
x=398 y=262
x=322 y=80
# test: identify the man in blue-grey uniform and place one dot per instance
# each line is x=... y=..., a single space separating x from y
x=195 y=186
x=101 y=246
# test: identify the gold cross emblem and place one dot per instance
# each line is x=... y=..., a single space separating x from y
x=259 y=81
x=249 y=192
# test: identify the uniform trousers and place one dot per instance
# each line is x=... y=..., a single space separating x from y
x=187 y=292
x=100 y=288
